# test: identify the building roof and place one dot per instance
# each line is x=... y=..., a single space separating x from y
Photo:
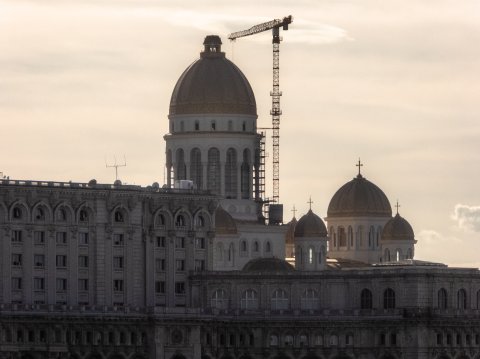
x=213 y=85
x=398 y=228
x=268 y=265
x=224 y=222
x=310 y=225
x=359 y=198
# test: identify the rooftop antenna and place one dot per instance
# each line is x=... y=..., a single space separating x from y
x=116 y=165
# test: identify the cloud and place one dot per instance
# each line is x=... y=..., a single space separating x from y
x=428 y=236
x=467 y=217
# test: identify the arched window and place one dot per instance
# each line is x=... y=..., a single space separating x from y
x=243 y=247
x=197 y=125
x=273 y=340
x=245 y=175
x=398 y=255
x=119 y=216
x=219 y=252
x=83 y=215
x=288 y=340
x=213 y=170
x=303 y=340
x=318 y=340
x=249 y=299
x=366 y=299
x=309 y=300
x=39 y=214
x=181 y=167
x=442 y=299
x=389 y=299
x=462 y=299
x=371 y=237
x=17 y=212
x=279 y=300
x=230 y=253
x=255 y=246
x=219 y=299
x=230 y=125
x=160 y=220
x=61 y=214
x=360 y=236
x=333 y=340
x=386 y=257
x=409 y=254
x=350 y=236
x=231 y=174
x=268 y=247
x=180 y=221
x=200 y=221
x=342 y=237
x=310 y=255
x=196 y=168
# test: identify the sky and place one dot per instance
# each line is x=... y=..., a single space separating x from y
x=395 y=83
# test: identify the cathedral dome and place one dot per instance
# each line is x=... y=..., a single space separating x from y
x=268 y=265
x=398 y=229
x=359 y=198
x=224 y=222
x=310 y=225
x=213 y=85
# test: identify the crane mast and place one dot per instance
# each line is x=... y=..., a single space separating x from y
x=275 y=112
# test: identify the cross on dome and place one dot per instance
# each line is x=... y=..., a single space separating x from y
x=359 y=165
x=310 y=202
x=397 y=206
x=294 y=210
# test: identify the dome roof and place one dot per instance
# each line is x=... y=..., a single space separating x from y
x=398 y=229
x=359 y=198
x=224 y=222
x=268 y=265
x=310 y=225
x=289 y=235
x=213 y=85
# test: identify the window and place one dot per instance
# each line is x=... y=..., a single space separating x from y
x=268 y=247
x=219 y=299
x=159 y=265
x=197 y=126
x=61 y=261
x=83 y=238
x=249 y=299
x=231 y=175
x=179 y=242
x=342 y=237
x=16 y=283
x=179 y=288
x=255 y=246
x=462 y=299
x=244 y=126
x=366 y=299
x=243 y=247
x=61 y=215
x=309 y=300
x=118 y=285
x=38 y=283
x=160 y=287
x=118 y=262
x=17 y=213
x=17 y=236
x=39 y=214
x=389 y=299
x=38 y=237
x=393 y=339
x=61 y=238
x=118 y=239
x=199 y=265
x=200 y=221
x=382 y=339
x=83 y=261
x=442 y=299
x=200 y=243
x=273 y=340
x=160 y=242
x=310 y=255
x=83 y=216
x=83 y=284
x=180 y=221
x=119 y=217
x=213 y=125
x=61 y=284
x=279 y=300
x=180 y=265
x=16 y=259
x=230 y=125
x=39 y=260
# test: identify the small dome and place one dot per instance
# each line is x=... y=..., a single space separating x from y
x=290 y=234
x=268 y=265
x=213 y=85
x=359 y=198
x=398 y=229
x=224 y=222
x=310 y=225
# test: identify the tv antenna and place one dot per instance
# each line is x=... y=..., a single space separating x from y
x=116 y=165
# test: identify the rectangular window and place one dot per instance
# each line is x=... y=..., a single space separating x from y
x=200 y=243
x=159 y=265
x=16 y=259
x=180 y=264
x=118 y=285
x=61 y=261
x=38 y=237
x=61 y=238
x=118 y=262
x=39 y=260
x=83 y=238
x=83 y=285
x=83 y=261
x=38 y=283
x=179 y=287
x=16 y=283
x=393 y=339
x=179 y=242
x=17 y=236
x=160 y=242
x=118 y=239
x=199 y=265
x=61 y=284
x=160 y=287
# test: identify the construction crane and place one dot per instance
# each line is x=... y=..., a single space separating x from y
x=275 y=26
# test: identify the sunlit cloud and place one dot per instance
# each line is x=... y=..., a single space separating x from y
x=467 y=217
x=429 y=237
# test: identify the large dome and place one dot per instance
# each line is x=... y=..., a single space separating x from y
x=398 y=229
x=213 y=85
x=359 y=198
